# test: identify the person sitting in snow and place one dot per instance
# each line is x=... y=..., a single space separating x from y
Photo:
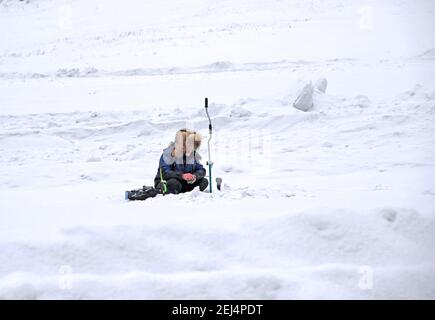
x=180 y=165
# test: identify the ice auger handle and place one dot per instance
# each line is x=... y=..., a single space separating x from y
x=210 y=131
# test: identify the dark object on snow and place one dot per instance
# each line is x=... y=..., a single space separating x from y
x=218 y=183
x=176 y=186
x=141 y=194
x=173 y=186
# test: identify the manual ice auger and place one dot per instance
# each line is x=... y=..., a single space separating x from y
x=210 y=131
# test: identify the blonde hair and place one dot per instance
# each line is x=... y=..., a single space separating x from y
x=186 y=141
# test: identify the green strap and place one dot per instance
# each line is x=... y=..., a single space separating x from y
x=163 y=185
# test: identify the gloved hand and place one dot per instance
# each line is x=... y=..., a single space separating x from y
x=187 y=176
x=190 y=178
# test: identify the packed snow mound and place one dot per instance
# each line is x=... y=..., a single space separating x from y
x=304 y=100
x=321 y=85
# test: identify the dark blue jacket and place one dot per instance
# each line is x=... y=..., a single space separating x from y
x=173 y=168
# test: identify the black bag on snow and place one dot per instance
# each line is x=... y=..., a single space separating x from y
x=141 y=194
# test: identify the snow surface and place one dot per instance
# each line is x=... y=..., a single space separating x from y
x=336 y=202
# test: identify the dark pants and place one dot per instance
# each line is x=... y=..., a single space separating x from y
x=176 y=186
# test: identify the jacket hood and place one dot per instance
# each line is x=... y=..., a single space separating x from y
x=169 y=159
